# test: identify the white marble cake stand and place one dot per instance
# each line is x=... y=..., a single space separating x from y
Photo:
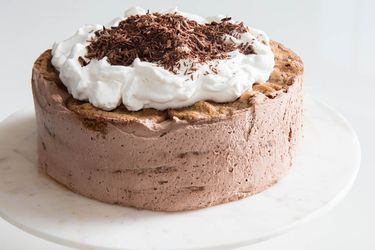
x=324 y=172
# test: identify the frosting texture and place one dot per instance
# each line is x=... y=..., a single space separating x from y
x=148 y=85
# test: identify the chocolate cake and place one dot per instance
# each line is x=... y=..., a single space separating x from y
x=172 y=159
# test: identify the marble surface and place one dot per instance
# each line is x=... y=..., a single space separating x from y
x=320 y=178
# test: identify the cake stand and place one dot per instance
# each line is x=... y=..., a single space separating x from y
x=326 y=166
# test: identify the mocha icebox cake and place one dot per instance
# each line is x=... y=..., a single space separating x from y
x=168 y=111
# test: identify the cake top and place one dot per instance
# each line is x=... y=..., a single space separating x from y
x=162 y=60
x=288 y=67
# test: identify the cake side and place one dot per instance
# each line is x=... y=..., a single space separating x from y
x=171 y=160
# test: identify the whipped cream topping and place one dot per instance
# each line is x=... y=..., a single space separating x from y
x=148 y=85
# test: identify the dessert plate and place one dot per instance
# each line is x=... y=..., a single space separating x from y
x=325 y=169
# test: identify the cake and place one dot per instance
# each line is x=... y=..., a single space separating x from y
x=226 y=141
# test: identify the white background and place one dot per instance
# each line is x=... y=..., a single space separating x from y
x=335 y=39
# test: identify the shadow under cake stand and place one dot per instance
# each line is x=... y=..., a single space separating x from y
x=326 y=166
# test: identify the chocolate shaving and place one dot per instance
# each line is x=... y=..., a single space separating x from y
x=226 y=19
x=247 y=49
x=165 y=39
x=82 y=61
